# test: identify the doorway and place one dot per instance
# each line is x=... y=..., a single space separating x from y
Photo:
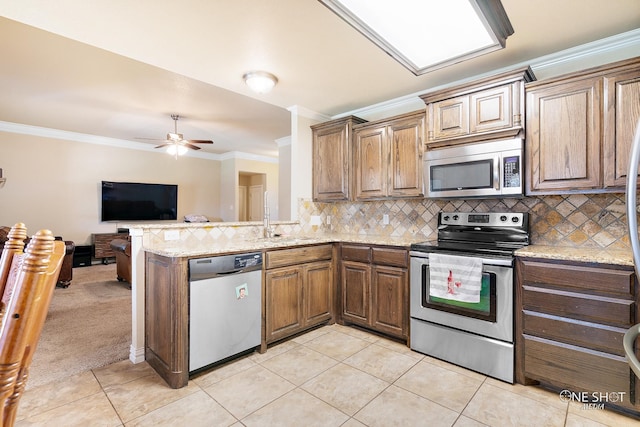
x=251 y=188
x=256 y=208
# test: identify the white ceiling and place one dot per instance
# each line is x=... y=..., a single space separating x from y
x=118 y=68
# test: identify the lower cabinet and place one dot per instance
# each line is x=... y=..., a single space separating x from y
x=298 y=290
x=570 y=322
x=167 y=318
x=374 y=288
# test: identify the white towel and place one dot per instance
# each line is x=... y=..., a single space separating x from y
x=457 y=278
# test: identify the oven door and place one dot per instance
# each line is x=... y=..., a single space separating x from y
x=492 y=317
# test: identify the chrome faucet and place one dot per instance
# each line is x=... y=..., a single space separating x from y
x=268 y=231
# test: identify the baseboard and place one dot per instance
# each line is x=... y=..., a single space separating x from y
x=136 y=355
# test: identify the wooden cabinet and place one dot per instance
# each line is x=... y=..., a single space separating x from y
x=570 y=321
x=388 y=157
x=167 y=318
x=622 y=112
x=298 y=290
x=580 y=127
x=102 y=244
x=332 y=159
x=491 y=107
x=374 y=288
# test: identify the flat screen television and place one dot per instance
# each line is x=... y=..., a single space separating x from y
x=132 y=201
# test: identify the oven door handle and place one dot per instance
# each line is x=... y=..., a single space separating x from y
x=485 y=261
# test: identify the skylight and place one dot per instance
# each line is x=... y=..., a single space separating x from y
x=424 y=35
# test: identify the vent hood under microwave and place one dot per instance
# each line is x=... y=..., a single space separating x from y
x=477 y=170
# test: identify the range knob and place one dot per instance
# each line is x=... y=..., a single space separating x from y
x=515 y=219
x=503 y=218
x=455 y=217
x=446 y=218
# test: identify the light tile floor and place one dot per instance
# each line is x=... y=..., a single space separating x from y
x=332 y=376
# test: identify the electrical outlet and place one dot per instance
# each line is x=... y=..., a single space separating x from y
x=172 y=235
x=328 y=219
x=385 y=219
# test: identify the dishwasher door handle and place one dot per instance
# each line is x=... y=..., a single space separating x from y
x=227 y=273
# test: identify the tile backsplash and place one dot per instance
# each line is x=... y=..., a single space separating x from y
x=578 y=220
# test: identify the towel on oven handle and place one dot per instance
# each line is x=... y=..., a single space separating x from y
x=457 y=278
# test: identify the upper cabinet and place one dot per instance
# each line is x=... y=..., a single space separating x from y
x=492 y=107
x=332 y=159
x=388 y=157
x=622 y=112
x=580 y=127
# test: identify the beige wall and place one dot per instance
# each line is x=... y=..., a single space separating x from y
x=55 y=184
x=230 y=179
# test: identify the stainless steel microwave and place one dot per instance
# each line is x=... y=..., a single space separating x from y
x=482 y=169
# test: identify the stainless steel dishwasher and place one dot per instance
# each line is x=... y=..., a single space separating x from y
x=225 y=307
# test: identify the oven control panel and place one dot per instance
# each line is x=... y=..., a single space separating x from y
x=493 y=219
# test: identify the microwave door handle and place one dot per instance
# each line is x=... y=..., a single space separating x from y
x=496 y=173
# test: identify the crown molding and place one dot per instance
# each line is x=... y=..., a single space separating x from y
x=120 y=143
x=284 y=141
x=308 y=113
x=235 y=155
x=621 y=46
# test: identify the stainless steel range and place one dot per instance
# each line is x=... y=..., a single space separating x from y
x=462 y=291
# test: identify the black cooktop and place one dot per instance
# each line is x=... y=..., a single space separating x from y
x=498 y=234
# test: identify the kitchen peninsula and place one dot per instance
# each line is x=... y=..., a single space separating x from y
x=160 y=255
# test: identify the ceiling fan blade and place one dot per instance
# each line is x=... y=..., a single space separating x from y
x=199 y=141
x=193 y=147
x=152 y=139
x=163 y=145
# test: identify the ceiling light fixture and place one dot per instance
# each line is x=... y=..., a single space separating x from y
x=428 y=35
x=260 y=81
x=177 y=150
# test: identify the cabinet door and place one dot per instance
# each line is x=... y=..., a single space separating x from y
x=371 y=163
x=355 y=281
x=405 y=144
x=167 y=318
x=331 y=163
x=283 y=290
x=318 y=293
x=449 y=118
x=490 y=110
x=622 y=115
x=389 y=300
x=563 y=136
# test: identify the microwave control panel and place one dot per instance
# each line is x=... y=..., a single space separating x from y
x=511 y=168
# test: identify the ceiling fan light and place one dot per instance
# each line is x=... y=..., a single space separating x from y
x=260 y=81
x=175 y=149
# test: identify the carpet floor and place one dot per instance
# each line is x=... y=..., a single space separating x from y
x=88 y=326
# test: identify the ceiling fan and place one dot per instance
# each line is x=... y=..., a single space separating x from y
x=175 y=142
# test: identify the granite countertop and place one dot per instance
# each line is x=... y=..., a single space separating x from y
x=178 y=224
x=180 y=249
x=603 y=256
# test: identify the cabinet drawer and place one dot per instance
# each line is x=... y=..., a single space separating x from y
x=284 y=257
x=582 y=334
x=356 y=253
x=392 y=257
x=581 y=278
x=611 y=311
x=576 y=368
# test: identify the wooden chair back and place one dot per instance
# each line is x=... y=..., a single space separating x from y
x=14 y=245
x=27 y=294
